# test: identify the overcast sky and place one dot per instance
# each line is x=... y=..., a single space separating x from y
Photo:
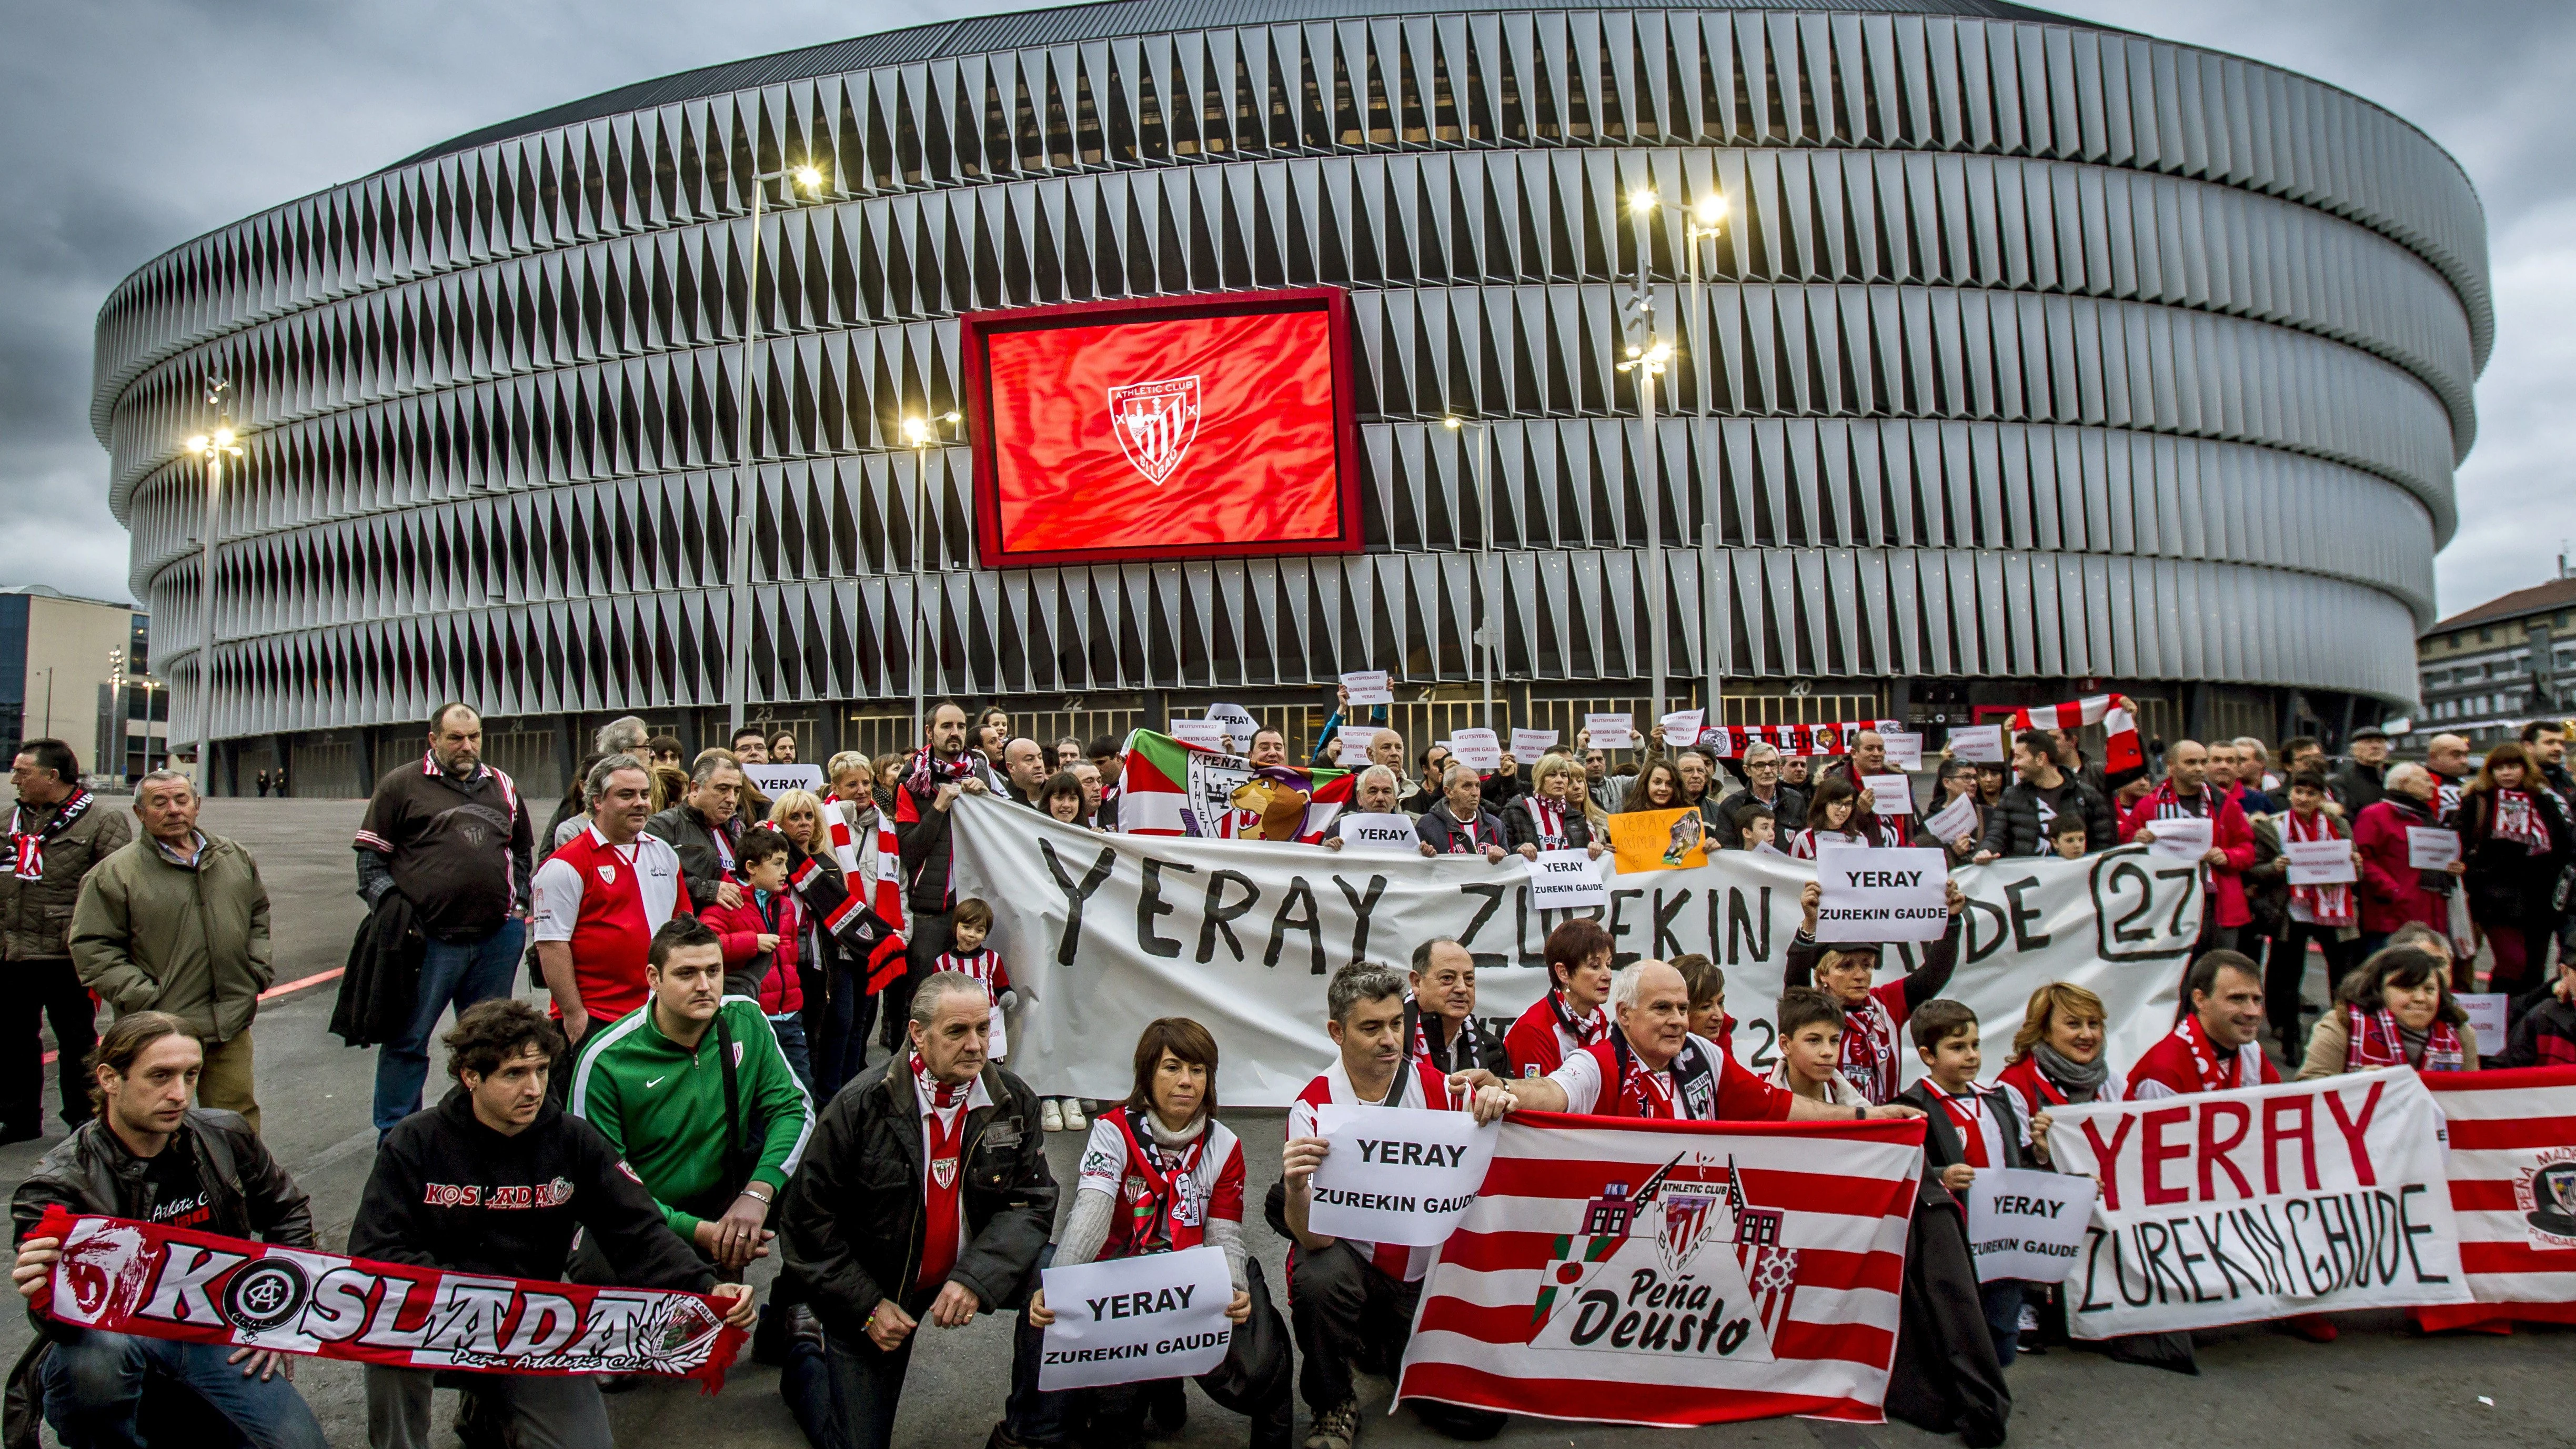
x=137 y=124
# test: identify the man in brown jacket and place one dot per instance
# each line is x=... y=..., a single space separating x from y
x=178 y=922
x=57 y=833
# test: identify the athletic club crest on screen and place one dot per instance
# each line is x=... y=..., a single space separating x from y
x=1155 y=423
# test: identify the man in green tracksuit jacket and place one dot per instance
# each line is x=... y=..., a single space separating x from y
x=654 y=1082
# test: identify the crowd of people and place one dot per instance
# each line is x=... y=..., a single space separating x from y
x=699 y=1092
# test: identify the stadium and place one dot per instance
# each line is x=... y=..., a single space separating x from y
x=2009 y=357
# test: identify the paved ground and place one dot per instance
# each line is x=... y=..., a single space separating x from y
x=2378 y=1386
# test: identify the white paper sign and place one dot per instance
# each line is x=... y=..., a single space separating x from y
x=2430 y=847
x=999 y=1044
x=1568 y=880
x=1889 y=794
x=776 y=780
x=1369 y=686
x=1207 y=734
x=1238 y=722
x=1904 y=748
x=2486 y=1017
x=1529 y=745
x=1881 y=895
x=1133 y=1320
x=2319 y=862
x=1478 y=750
x=1611 y=731
x=2185 y=837
x=1391 y=832
x=2026 y=1224
x=1682 y=727
x=1396 y=1174
x=1953 y=820
x=1980 y=744
x=1355 y=744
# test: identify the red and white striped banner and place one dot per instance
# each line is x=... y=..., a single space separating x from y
x=1722 y=1271
x=2513 y=1192
x=2122 y=756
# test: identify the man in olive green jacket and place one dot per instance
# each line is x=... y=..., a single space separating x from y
x=178 y=922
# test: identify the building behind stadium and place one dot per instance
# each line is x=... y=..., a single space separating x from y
x=2042 y=358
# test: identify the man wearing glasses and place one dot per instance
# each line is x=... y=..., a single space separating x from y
x=1763 y=787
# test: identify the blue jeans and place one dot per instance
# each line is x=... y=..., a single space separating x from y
x=93 y=1389
x=790 y=1029
x=464 y=972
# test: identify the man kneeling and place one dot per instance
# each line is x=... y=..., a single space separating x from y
x=148 y=1156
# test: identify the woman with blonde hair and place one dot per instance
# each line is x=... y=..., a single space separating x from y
x=1555 y=814
x=2057 y=1055
x=838 y=1012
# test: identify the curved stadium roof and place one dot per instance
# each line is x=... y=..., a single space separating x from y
x=1075 y=24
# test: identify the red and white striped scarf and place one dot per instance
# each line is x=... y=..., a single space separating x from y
x=2517 y=818
x=2331 y=905
x=2378 y=1042
x=2122 y=756
x=27 y=847
x=1549 y=816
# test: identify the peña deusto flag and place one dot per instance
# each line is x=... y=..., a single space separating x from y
x=2513 y=1190
x=1673 y=1273
x=1169 y=788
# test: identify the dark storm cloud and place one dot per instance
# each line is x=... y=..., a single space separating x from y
x=134 y=126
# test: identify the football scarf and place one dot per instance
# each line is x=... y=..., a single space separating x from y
x=1689 y=1093
x=1549 y=816
x=942 y=1174
x=1585 y=1029
x=2330 y=904
x=27 y=847
x=2377 y=1042
x=2204 y=1061
x=1154 y=1178
x=155 y=1281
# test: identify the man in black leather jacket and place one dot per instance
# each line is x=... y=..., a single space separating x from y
x=925 y=1195
x=147 y=1155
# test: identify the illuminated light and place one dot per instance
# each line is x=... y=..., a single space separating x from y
x=1452 y=424
x=811 y=178
x=223 y=437
x=1642 y=199
x=916 y=432
x=948 y=417
x=196 y=444
x=1712 y=208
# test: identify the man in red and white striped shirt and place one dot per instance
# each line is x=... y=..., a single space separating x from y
x=1352 y=1302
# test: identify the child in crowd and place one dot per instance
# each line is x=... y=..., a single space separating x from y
x=1829 y=818
x=1811 y=1048
x=967 y=952
x=1970 y=1129
x=1707 y=987
x=760 y=937
x=1757 y=828
x=2066 y=836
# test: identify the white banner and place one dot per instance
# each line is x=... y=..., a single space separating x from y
x=2260 y=1203
x=2027 y=1224
x=1890 y=794
x=1355 y=747
x=1369 y=686
x=776 y=780
x=1397 y=1174
x=1881 y=895
x=2486 y=1018
x=1569 y=880
x=1134 y=1320
x=1682 y=727
x=1530 y=746
x=1953 y=820
x=1106 y=933
x=1207 y=734
x=1978 y=744
x=1904 y=748
x=1238 y=723
x=1611 y=731
x=2319 y=862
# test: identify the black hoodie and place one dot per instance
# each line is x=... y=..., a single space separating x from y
x=449 y=1192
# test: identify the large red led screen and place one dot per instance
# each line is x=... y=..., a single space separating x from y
x=1156 y=430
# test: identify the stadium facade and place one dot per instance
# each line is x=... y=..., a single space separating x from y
x=2038 y=356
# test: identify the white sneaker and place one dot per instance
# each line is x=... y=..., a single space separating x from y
x=1074 y=1121
x=1049 y=1117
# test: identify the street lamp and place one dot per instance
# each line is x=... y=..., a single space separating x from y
x=1704 y=222
x=921 y=435
x=808 y=179
x=1648 y=356
x=1487 y=587
x=214 y=448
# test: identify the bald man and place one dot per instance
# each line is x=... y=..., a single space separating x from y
x=2186 y=792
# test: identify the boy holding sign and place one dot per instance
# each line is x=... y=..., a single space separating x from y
x=1159 y=1175
x=1970 y=1130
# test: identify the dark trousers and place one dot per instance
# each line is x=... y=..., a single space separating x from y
x=41 y=990
x=2002 y=1300
x=2213 y=936
x=862 y=1384
x=1347 y=1314
x=849 y=1016
x=2287 y=968
x=927 y=940
x=1253 y=1380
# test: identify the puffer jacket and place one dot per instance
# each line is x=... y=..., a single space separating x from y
x=702 y=866
x=150 y=934
x=850 y=1222
x=90 y=1171
x=36 y=915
